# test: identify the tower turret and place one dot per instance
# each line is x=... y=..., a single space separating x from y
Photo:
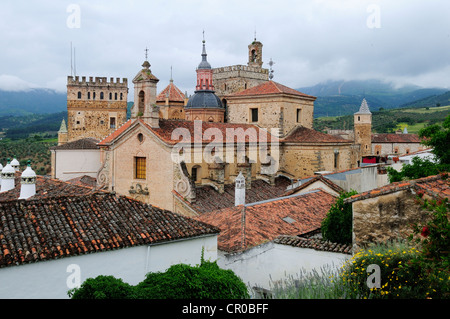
x=363 y=128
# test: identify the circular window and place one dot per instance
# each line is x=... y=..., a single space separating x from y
x=140 y=137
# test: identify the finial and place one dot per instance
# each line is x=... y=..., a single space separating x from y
x=203 y=36
x=171 y=79
x=29 y=163
x=271 y=70
x=146 y=53
x=255 y=33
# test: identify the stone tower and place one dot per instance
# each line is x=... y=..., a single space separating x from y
x=145 y=96
x=363 y=129
x=62 y=133
x=255 y=54
x=95 y=108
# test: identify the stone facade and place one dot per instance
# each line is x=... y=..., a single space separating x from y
x=236 y=78
x=95 y=108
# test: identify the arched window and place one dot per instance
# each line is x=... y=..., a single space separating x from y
x=110 y=95
x=79 y=95
x=121 y=96
x=115 y=96
x=101 y=95
x=89 y=95
x=141 y=104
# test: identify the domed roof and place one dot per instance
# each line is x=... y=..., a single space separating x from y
x=204 y=99
x=15 y=162
x=28 y=172
x=8 y=168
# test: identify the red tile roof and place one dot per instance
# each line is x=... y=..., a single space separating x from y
x=271 y=87
x=249 y=225
x=314 y=179
x=172 y=92
x=229 y=131
x=313 y=243
x=302 y=134
x=207 y=199
x=395 y=138
x=49 y=187
x=437 y=186
x=81 y=144
x=45 y=229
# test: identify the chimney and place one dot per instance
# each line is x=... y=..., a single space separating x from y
x=28 y=183
x=15 y=164
x=1 y=167
x=154 y=117
x=239 y=192
x=7 y=177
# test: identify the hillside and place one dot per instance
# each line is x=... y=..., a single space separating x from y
x=430 y=101
x=338 y=98
x=33 y=101
x=388 y=121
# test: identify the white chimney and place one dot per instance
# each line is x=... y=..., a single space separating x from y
x=7 y=177
x=1 y=167
x=15 y=164
x=28 y=183
x=239 y=193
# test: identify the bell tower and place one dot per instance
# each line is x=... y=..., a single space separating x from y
x=255 y=54
x=145 y=94
x=363 y=128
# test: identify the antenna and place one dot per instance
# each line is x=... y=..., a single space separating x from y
x=71 y=64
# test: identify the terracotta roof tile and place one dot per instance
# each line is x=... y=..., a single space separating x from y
x=230 y=132
x=437 y=186
x=172 y=92
x=395 y=138
x=249 y=225
x=271 y=87
x=313 y=243
x=302 y=134
x=81 y=144
x=44 y=229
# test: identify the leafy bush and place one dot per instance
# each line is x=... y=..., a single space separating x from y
x=337 y=225
x=420 y=167
x=206 y=281
x=103 y=287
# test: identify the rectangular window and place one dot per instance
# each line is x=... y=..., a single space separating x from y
x=139 y=164
x=254 y=115
x=299 y=115
x=112 y=122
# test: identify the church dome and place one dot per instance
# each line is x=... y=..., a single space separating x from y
x=204 y=99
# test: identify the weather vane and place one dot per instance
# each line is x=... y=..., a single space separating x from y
x=271 y=70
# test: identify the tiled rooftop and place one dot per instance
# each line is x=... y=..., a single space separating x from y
x=312 y=180
x=81 y=144
x=50 y=228
x=313 y=243
x=249 y=225
x=172 y=92
x=437 y=186
x=395 y=138
x=271 y=87
x=305 y=135
x=167 y=127
x=208 y=199
x=48 y=187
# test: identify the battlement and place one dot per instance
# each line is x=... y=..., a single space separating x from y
x=98 y=81
x=240 y=67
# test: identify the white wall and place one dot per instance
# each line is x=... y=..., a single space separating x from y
x=52 y=279
x=75 y=163
x=259 y=265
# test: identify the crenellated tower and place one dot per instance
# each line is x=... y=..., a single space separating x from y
x=95 y=107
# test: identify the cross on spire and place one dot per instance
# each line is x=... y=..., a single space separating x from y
x=146 y=53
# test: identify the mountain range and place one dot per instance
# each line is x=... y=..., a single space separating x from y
x=334 y=98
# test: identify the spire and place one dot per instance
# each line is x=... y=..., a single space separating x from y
x=63 y=127
x=364 y=109
x=204 y=64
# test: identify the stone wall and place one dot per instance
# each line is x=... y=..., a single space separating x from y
x=232 y=79
x=396 y=148
x=385 y=217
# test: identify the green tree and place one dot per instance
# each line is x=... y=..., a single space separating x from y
x=438 y=137
x=420 y=167
x=103 y=287
x=337 y=225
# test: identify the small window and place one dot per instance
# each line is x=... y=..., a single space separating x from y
x=102 y=122
x=194 y=173
x=110 y=95
x=78 y=122
x=254 y=115
x=101 y=96
x=112 y=122
x=89 y=95
x=93 y=95
x=121 y=96
x=140 y=167
x=359 y=118
x=299 y=115
x=336 y=159
x=115 y=96
x=140 y=137
x=79 y=95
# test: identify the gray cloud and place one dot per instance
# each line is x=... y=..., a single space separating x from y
x=309 y=41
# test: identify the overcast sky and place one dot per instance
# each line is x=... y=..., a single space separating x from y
x=309 y=41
